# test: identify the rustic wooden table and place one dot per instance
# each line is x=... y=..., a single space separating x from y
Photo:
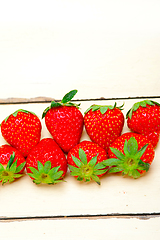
x=108 y=52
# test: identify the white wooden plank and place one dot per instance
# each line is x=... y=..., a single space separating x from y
x=98 y=229
x=115 y=195
x=106 y=49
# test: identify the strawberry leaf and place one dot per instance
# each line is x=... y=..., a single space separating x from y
x=77 y=161
x=10 y=162
x=143 y=166
x=149 y=102
x=112 y=161
x=118 y=153
x=82 y=156
x=132 y=146
x=88 y=109
x=135 y=174
x=69 y=96
x=20 y=167
x=87 y=170
x=13 y=167
x=47 y=167
x=99 y=171
x=116 y=169
x=17 y=111
x=57 y=175
x=74 y=171
x=1 y=167
x=52 y=171
x=10 y=173
x=96 y=179
x=155 y=103
x=93 y=161
x=142 y=104
x=79 y=178
x=95 y=107
x=45 y=174
x=129 y=164
x=45 y=112
x=141 y=151
x=103 y=109
x=136 y=106
x=35 y=172
x=40 y=167
x=55 y=104
x=99 y=165
x=126 y=152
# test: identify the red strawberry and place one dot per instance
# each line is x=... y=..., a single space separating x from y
x=22 y=130
x=46 y=162
x=64 y=121
x=85 y=161
x=144 y=118
x=12 y=164
x=131 y=154
x=104 y=124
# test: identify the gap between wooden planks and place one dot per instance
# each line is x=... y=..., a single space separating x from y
x=139 y=216
x=46 y=99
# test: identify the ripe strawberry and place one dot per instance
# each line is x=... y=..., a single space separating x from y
x=12 y=164
x=22 y=130
x=46 y=162
x=104 y=124
x=144 y=118
x=131 y=154
x=85 y=161
x=64 y=121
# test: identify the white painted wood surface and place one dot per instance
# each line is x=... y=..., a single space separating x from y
x=115 y=195
x=107 y=49
x=97 y=229
x=61 y=207
x=103 y=48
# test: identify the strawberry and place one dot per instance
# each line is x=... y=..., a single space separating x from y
x=131 y=154
x=46 y=163
x=85 y=161
x=64 y=121
x=12 y=164
x=144 y=118
x=104 y=124
x=22 y=130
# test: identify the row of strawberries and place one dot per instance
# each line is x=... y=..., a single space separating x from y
x=47 y=160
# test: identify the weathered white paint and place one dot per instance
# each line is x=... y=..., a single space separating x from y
x=115 y=195
x=102 y=48
x=99 y=229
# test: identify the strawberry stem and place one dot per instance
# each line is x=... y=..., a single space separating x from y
x=64 y=102
x=17 y=111
x=128 y=163
x=11 y=172
x=45 y=174
x=87 y=171
x=103 y=108
x=143 y=104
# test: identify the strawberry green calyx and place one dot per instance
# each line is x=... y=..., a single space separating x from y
x=11 y=172
x=45 y=174
x=141 y=104
x=103 y=108
x=64 y=102
x=17 y=111
x=87 y=171
x=128 y=163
